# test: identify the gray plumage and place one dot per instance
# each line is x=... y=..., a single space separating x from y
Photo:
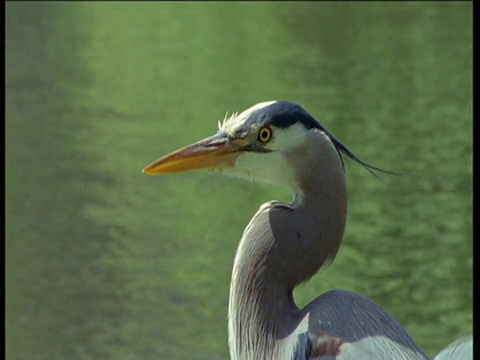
x=286 y=244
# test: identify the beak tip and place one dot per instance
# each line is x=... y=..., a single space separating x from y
x=147 y=171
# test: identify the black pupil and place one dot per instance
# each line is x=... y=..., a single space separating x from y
x=264 y=134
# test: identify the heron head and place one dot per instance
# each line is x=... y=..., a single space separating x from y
x=271 y=142
x=266 y=143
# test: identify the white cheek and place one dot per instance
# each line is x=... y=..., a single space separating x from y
x=286 y=139
x=270 y=167
x=273 y=167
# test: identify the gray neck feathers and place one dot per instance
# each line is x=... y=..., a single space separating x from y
x=283 y=246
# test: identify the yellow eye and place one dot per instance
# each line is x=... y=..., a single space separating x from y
x=264 y=135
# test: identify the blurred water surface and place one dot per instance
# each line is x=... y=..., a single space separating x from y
x=104 y=262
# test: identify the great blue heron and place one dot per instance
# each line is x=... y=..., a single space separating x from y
x=284 y=245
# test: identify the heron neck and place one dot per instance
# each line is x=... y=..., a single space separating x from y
x=261 y=314
x=282 y=246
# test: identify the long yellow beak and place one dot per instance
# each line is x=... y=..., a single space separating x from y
x=215 y=152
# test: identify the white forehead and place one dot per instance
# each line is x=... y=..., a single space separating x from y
x=235 y=121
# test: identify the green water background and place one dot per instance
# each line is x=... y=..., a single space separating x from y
x=104 y=262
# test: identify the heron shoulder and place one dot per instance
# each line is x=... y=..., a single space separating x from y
x=461 y=349
x=358 y=320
